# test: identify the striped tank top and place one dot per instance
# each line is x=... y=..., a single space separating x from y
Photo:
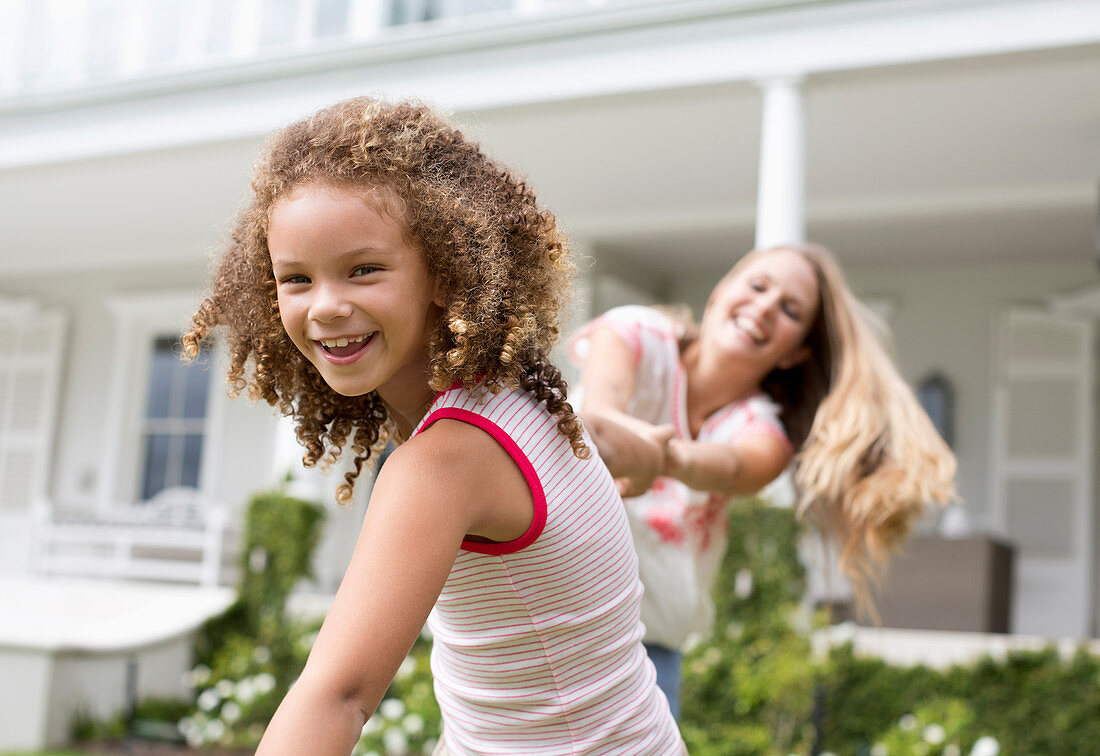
x=537 y=642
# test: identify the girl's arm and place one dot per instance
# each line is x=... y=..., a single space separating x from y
x=449 y=481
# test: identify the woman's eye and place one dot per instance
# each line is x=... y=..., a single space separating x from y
x=791 y=312
x=756 y=285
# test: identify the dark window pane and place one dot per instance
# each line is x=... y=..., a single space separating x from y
x=161 y=377
x=156 y=465
x=277 y=22
x=197 y=380
x=164 y=39
x=103 y=38
x=219 y=34
x=332 y=18
x=192 y=460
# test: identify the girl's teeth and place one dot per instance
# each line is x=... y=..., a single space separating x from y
x=342 y=342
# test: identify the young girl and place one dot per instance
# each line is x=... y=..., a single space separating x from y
x=783 y=366
x=387 y=278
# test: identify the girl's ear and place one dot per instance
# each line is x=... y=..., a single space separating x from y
x=438 y=297
x=796 y=358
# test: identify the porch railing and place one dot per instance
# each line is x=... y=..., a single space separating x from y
x=52 y=46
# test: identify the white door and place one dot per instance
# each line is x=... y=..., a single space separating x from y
x=1042 y=470
x=30 y=365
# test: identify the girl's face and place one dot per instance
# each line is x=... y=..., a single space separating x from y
x=355 y=295
x=763 y=312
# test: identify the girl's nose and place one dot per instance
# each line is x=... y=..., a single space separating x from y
x=328 y=304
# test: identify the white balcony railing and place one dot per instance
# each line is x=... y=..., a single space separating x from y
x=50 y=47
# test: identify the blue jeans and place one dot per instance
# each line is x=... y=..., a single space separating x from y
x=667 y=662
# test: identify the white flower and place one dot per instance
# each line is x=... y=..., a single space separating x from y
x=245 y=691
x=261 y=654
x=880 y=749
x=265 y=682
x=209 y=699
x=952 y=750
x=985 y=746
x=392 y=709
x=373 y=725
x=215 y=730
x=908 y=722
x=934 y=734
x=742 y=583
x=395 y=742
x=430 y=744
x=231 y=711
x=200 y=675
x=224 y=688
x=413 y=724
x=194 y=738
x=186 y=726
x=408 y=666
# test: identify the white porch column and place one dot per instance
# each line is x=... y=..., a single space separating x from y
x=781 y=195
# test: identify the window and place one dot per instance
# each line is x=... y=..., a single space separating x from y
x=163 y=417
x=174 y=422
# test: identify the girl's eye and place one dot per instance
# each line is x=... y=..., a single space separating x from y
x=756 y=285
x=791 y=312
x=295 y=280
x=363 y=270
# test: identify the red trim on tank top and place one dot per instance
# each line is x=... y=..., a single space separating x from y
x=538 y=496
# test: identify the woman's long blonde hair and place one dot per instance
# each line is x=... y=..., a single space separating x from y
x=868 y=460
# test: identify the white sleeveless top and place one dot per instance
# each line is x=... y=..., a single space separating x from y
x=680 y=533
x=537 y=642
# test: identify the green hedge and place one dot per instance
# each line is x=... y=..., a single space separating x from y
x=751 y=688
x=755 y=688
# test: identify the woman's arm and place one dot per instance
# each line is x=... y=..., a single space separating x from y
x=743 y=467
x=451 y=480
x=636 y=452
x=632 y=450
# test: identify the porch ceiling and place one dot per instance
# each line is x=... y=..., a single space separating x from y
x=994 y=158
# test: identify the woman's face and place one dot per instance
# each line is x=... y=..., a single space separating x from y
x=763 y=312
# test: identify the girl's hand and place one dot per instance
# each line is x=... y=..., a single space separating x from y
x=632 y=450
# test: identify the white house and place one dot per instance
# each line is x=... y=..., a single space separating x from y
x=947 y=150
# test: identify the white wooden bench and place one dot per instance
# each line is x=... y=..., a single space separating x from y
x=177 y=536
x=109 y=616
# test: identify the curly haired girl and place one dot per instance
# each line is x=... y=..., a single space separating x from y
x=389 y=279
x=782 y=367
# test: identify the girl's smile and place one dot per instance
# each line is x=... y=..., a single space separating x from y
x=355 y=295
x=343 y=351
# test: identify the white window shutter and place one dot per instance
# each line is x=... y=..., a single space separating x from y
x=1041 y=493
x=31 y=344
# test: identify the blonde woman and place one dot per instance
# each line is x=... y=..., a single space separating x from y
x=782 y=369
